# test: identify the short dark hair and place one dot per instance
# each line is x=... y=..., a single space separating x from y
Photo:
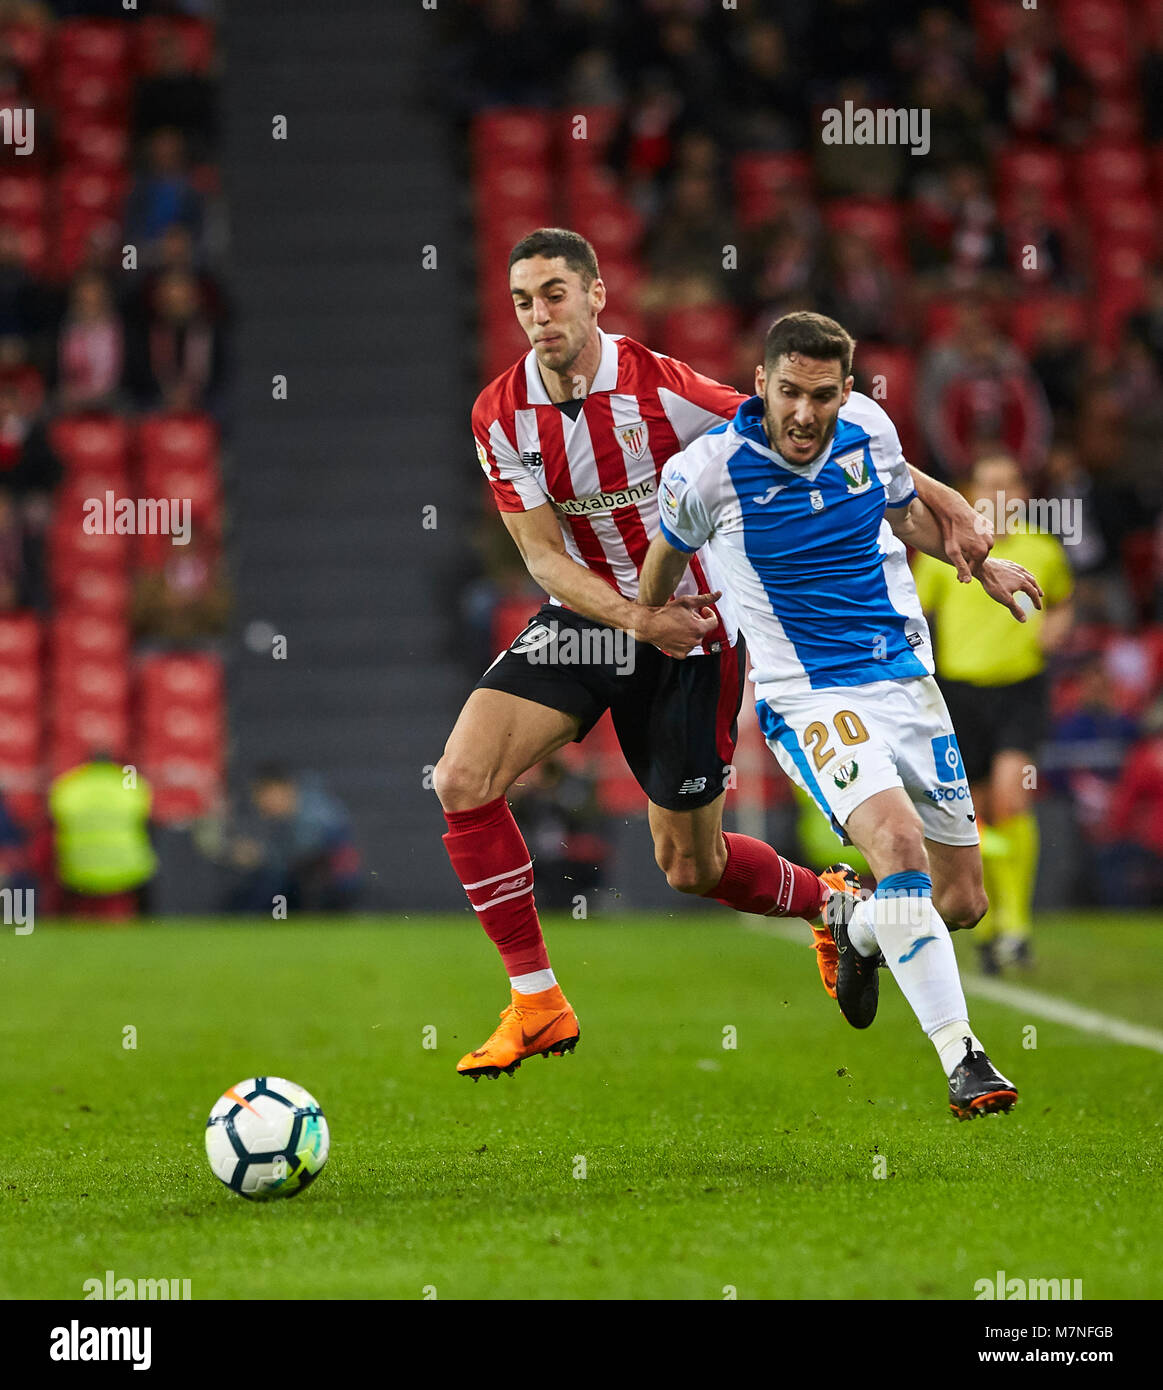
x=809 y=335
x=551 y=242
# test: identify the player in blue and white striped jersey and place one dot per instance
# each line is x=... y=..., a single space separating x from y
x=806 y=504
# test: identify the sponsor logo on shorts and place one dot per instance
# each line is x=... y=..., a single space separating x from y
x=940 y=794
x=846 y=773
x=601 y=502
x=693 y=784
x=947 y=758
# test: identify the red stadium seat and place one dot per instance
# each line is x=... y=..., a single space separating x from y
x=82 y=637
x=1127 y=221
x=23 y=198
x=82 y=732
x=95 y=144
x=96 y=684
x=890 y=376
x=877 y=221
x=96 y=44
x=1020 y=166
x=196 y=37
x=91 y=191
x=509 y=191
x=22 y=781
x=704 y=338
x=20 y=737
x=764 y=181
x=72 y=547
x=21 y=635
x=614 y=227
x=183 y=788
x=189 y=680
x=586 y=144
x=20 y=687
x=510 y=137
x=93 y=589
x=88 y=443
x=1104 y=171
x=181 y=731
x=29 y=47
x=1029 y=314
x=187 y=440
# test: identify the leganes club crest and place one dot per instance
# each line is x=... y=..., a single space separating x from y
x=855 y=466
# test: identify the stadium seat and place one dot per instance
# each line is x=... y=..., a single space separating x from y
x=877 y=221
x=20 y=737
x=21 y=635
x=1126 y=221
x=196 y=37
x=188 y=440
x=510 y=136
x=100 y=45
x=96 y=192
x=194 y=680
x=93 y=589
x=91 y=684
x=1029 y=314
x=95 y=144
x=1023 y=166
x=600 y=124
x=510 y=191
x=763 y=181
x=183 y=788
x=704 y=338
x=90 y=443
x=1105 y=170
x=82 y=637
x=24 y=198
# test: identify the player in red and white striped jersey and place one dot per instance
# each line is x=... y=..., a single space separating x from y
x=573 y=439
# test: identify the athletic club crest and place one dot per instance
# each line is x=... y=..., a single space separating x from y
x=632 y=438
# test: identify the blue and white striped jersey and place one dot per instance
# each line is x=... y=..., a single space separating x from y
x=820 y=585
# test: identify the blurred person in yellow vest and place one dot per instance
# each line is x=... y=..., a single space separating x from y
x=104 y=858
x=993 y=676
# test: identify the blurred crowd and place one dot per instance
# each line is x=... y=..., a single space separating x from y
x=1006 y=289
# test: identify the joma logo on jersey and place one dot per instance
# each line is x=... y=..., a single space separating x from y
x=606 y=501
x=855 y=466
x=632 y=438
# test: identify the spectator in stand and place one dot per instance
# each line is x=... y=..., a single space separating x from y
x=860 y=291
x=1060 y=362
x=559 y=816
x=30 y=471
x=178 y=357
x=1151 y=77
x=162 y=194
x=186 y=598
x=975 y=393
x=1035 y=249
x=768 y=107
x=294 y=842
x=1036 y=92
x=13 y=573
x=1088 y=747
x=90 y=359
x=507 y=54
x=176 y=96
x=1132 y=859
x=16 y=871
x=687 y=242
x=1146 y=326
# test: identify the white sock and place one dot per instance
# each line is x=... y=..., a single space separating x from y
x=950 y=1043
x=534 y=982
x=919 y=951
x=860 y=932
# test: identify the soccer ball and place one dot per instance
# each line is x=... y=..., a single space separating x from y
x=267 y=1138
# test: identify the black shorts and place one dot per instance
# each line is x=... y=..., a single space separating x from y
x=993 y=719
x=676 y=721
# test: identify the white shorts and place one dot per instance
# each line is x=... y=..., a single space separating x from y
x=845 y=744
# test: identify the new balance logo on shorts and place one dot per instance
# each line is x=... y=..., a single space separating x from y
x=693 y=784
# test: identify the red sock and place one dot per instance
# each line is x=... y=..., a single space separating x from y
x=757 y=879
x=493 y=863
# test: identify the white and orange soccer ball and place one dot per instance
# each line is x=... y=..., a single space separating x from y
x=267 y=1138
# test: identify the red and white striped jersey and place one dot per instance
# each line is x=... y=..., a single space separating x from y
x=599 y=467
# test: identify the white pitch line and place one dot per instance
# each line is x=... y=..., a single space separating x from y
x=1029 y=1001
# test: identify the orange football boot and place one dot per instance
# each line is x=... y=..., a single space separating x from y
x=844 y=882
x=534 y=1025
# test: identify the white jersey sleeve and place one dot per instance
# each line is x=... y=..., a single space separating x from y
x=685 y=509
x=885 y=447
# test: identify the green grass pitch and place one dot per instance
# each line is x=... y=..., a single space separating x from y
x=708 y=1171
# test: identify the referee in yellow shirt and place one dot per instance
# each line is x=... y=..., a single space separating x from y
x=993 y=675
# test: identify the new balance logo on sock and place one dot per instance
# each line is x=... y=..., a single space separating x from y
x=693 y=784
x=509 y=885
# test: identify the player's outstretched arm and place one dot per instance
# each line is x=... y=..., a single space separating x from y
x=966 y=535
x=676 y=628
x=1002 y=580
